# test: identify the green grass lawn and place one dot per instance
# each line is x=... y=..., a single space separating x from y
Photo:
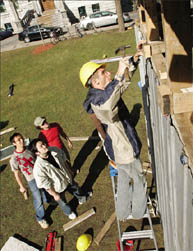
x=48 y=85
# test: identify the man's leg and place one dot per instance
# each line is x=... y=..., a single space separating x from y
x=77 y=192
x=124 y=193
x=37 y=200
x=139 y=202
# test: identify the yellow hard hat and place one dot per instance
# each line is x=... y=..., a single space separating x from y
x=87 y=71
x=83 y=242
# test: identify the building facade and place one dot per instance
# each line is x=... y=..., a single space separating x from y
x=13 y=11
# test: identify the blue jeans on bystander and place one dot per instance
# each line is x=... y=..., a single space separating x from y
x=39 y=195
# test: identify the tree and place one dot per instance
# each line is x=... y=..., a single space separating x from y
x=120 y=15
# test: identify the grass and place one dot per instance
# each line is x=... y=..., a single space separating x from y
x=48 y=84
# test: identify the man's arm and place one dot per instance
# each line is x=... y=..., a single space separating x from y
x=18 y=178
x=98 y=125
x=64 y=135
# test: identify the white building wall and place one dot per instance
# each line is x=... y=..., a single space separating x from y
x=9 y=16
x=24 y=5
x=104 y=5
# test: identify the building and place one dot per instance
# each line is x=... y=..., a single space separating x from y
x=13 y=12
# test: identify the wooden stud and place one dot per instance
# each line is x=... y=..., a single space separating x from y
x=79 y=219
x=164 y=99
x=105 y=229
x=147 y=50
x=158 y=61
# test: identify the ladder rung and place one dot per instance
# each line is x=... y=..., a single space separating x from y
x=130 y=217
x=145 y=234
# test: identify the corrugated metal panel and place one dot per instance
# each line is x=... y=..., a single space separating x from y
x=174 y=181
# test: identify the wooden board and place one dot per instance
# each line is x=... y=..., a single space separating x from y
x=105 y=229
x=7 y=130
x=83 y=138
x=58 y=244
x=159 y=65
x=79 y=219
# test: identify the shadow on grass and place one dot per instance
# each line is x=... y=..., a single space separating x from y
x=95 y=169
x=86 y=150
x=48 y=213
x=3 y=124
x=2 y=168
x=19 y=237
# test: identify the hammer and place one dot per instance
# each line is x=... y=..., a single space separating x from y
x=122 y=49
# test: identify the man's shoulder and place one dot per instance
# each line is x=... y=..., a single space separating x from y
x=54 y=124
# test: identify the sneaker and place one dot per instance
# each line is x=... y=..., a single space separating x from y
x=72 y=216
x=43 y=224
x=84 y=199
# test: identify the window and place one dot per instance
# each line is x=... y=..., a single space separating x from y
x=95 y=15
x=95 y=7
x=2 y=6
x=8 y=26
x=82 y=11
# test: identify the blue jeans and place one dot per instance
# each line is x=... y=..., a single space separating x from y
x=77 y=192
x=131 y=191
x=39 y=195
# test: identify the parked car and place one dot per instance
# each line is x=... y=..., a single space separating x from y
x=33 y=33
x=101 y=18
x=5 y=33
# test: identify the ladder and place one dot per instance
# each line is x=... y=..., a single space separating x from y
x=133 y=235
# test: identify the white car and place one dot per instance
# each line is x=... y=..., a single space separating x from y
x=101 y=18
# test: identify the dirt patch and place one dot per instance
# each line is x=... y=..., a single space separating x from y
x=42 y=48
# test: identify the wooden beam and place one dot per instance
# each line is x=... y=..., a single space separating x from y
x=164 y=99
x=79 y=219
x=105 y=229
x=7 y=130
x=182 y=102
x=159 y=65
x=147 y=50
x=157 y=47
x=151 y=20
x=175 y=21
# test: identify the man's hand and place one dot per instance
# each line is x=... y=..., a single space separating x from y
x=56 y=197
x=123 y=64
x=52 y=192
x=22 y=189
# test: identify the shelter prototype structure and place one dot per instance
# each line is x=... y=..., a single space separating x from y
x=166 y=80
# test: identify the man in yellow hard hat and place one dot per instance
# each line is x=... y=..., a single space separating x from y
x=120 y=140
